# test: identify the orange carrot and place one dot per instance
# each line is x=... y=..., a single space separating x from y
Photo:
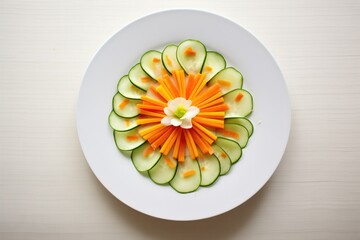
x=204 y=130
x=171 y=86
x=224 y=83
x=208 y=68
x=223 y=155
x=177 y=144
x=190 y=84
x=199 y=86
x=151 y=129
x=164 y=93
x=239 y=97
x=191 y=145
x=207 y=94
x=153 y=101
x=180 y=79
x=149 y=107
x=217 y=108
x=132 y=138
x=228 y=133
x=156 y=60
x=209 y=122
x=153 y=136
x=148 y=150
x=217 y=101
x=123 y=103
x=161 y=139
x=189 y=173
x=210 y=101
x=147 y=121
x=181 y=155
x=219 y=115
x=168 y=61
x=170 y=163
x=153 y=89
x=146 y=79
x=203 y=136
x=199 y=142
x=165 y=149
x=189 y=52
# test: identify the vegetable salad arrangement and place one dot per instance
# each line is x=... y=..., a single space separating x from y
x=183 y=115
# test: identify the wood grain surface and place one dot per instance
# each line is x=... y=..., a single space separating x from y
x=47 y=190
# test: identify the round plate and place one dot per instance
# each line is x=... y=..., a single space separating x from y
x=262 y=77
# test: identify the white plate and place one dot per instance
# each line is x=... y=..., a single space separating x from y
x=262 y=78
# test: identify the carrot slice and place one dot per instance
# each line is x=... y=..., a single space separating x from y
x=224 y=83
x=164 y=92
x=190 y=84
x=165 y=149
x=169 y=162
x=147 y=121
x=208 y=68
x=171 y=86
x=229 y=133
x=204 y=130
x=209 y=122
x=123 y=103
x=177 y=144
x=217 y=108
x=189 y=173
x=152 y=114
x=217 y=101
x=191 y=145
x=148 y=150
x=153 y=101
x=219 y=115
x=132 y=138
x=239 y=97
x=154 y=136
x=146 y=79
x=149 y=107
x=156 y=60
x=190 y=52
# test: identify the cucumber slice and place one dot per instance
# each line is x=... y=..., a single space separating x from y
x=151 y=63
x=224 y=160
x=210 y=169
x=144 y=161
x=186 y=184
x=169 y=59
x=242 y=121
x=128 y=140
x=139 y=78
x=238 y=108
x=129 y=90
x=214 y=63
x=125 y=107
x=235 y=132
x=229 y=79
x=164 y=170
x=121 y=124
x=232 y=148
x=191 y=63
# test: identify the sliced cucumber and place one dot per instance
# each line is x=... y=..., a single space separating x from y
x=144 y=157
x=235 y=132
x=129 y=90
x=151 y=63
x=128 y=140
x=224 y=160
x=240 y=103
x=232 y=148
x=210 y=169
x=191 y=63
x=183 y=183
x=139 y=78
x=214 y=63
x=229 y=79
x=164 y=170
x=242 y=121
x=125 y=107
x=121 y=124
x=169 y=59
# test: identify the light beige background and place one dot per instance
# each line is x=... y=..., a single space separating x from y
x=47 y=190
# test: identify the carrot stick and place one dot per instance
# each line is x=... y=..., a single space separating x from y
x=153 y=89
x=165 y=149
x=161 y=139
x=132 y=138
x=189 y=173
x=207 y=93
x=209 y=122
x=148 y=120
x=152 y=114
x=149 y=107
x=204 y=130
x=199 y=142
x=169 y=162
x=199 y=86
x=151 y=129
x=239 y=97
x=148 y=150
x=219 y=115
x=177 y=145
x=123 y=103
x=164 y=92
x=153 y=101
x=189 y=52
x=196 y=85
x=190 y=84
x=217 y=108
x=171 y=86
x=153 y=136
x=204 y=136
x=191 y=145
x=229 y=133
x=181 y=155
x=210 y=100
x=183 y=86
x=212 y=103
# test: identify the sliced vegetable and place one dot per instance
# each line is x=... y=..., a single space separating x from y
x=235 y=132
x=145 y=157
x=124 y=107
x=121 y=124
x=214 y=63
x=242 y=121
x=169 y=59
x=224 y=160
x=151 y=63
x=164 y=170
x=128 y=140
x=232 y=148
x=229 y=79
x=140 y=78
x=187 y=177
x=191 y=55
x=129 y=90
x=210 y=169
x=240 y=103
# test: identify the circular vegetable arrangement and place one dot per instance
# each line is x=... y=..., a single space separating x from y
x=182 y=114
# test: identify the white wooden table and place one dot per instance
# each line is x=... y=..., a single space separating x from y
x=47 y=190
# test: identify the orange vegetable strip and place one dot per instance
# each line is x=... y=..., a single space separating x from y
x=211 y=91
x=199 y=142
x=169 y=162
x=149 y=107
x=132 y=138
x=123 y=103
x=189 y=173
x=204 y=130
x=171 y=86
x=153 y=101
x=163 y=92
x=148 y=150
x=153 y=89
x=229 y=133
x=177 y=144
x=196 y=85
x=204 y=136
x=181 y=155
x=153 y=136
x=189 y=52
x=165 y=149
x=217 y=101
x=148 y=120
x=219 y=115
x=217 y=108
x=168 y=61
x=152 y=114
x=209 y=122
x=164 y=84
x=183 y=83
x=201 y=84
x=224 y=83
x=127 y=122
x=190 y=84
x=239 y=97
x=161 y=139
x=208 y=68
x=146 y=79
x=223 y=155
x=151 y=129
x=156 y=60
x=191 y=145
x=179 y=82
x=208 y=146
